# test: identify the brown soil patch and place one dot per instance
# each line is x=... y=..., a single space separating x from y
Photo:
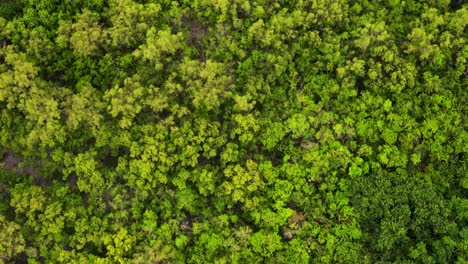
x=197 y=30
x=11 y=162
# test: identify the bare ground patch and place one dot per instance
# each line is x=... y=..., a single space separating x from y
x=12 y=162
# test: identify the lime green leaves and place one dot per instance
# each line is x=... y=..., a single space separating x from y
x=85 y=35
x=299 y=125
x=12 y=242
x=242 y=183
x=159 y=46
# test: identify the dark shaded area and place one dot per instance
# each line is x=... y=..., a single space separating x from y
x=10 y=9
x=457 y=4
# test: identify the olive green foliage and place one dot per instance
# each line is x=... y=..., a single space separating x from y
x=216 y=131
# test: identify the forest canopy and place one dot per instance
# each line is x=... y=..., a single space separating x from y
x=241 y=131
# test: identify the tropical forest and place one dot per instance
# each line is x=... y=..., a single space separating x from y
x=234 y=131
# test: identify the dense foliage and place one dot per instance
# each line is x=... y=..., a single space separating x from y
x=242 y=131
